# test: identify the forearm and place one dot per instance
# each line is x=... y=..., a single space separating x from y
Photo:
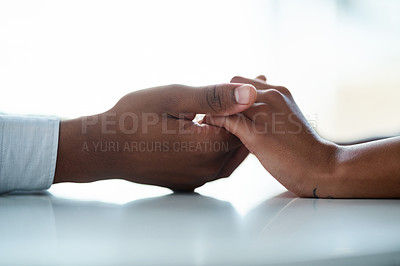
x=369 y=170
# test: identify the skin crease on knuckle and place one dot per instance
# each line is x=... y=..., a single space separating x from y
x=217 y=98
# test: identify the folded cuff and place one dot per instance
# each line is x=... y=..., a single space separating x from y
x=28 y=152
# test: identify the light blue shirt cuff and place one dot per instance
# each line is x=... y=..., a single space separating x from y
x=28 y=152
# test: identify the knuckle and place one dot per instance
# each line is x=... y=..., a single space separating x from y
x=285 y=91
x=216 y=98
x=173 y=88
x=274 y=96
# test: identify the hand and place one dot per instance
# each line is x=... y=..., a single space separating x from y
x=278 y=134
x=149 y=137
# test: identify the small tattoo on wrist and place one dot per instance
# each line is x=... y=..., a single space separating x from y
x=314 y=192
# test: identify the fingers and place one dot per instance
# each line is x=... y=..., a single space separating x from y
x=258 y=83
x=234 y=161
x=258 y=111
x=238 y=125
x=217 y=100
x=268 y=102
x=273 y=96
x=262 y=78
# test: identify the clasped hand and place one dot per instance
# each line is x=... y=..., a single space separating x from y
x=150 y=137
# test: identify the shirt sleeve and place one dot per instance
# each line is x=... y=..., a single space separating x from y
x=28 y=152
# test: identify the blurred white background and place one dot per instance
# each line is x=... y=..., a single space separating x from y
x=71 y=58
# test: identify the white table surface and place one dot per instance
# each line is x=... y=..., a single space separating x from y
x=248 y=219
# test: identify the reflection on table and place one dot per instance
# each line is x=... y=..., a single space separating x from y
x=191 y=229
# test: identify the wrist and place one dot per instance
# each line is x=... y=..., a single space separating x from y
x=322 y=180
x=78 y=159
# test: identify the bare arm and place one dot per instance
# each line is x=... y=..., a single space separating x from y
x=368 y=170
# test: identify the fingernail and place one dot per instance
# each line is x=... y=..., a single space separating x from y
x=242 y=94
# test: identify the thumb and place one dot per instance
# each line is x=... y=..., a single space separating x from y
x=216 y=100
